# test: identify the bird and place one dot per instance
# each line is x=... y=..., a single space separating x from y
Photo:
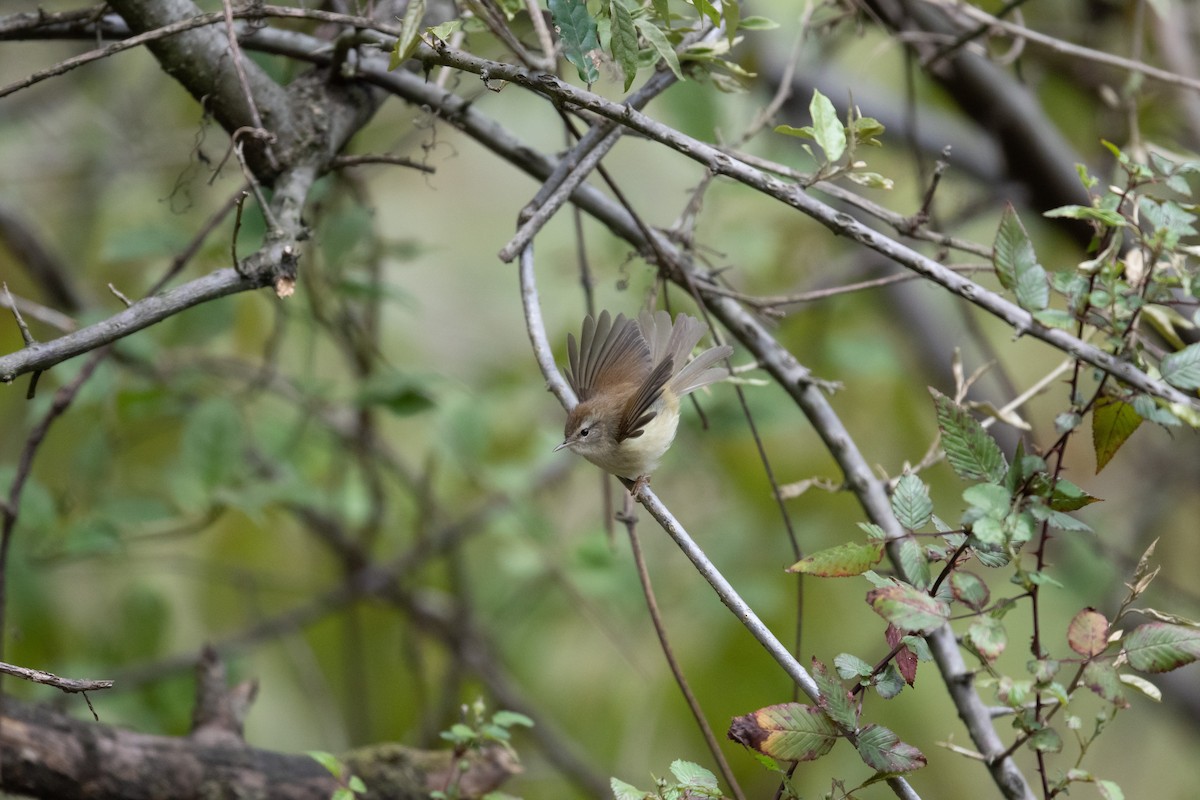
x=629 y=376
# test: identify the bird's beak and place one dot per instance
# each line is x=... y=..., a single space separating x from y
x=561 y=446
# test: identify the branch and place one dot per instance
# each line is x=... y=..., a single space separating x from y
x=68 y=685
x=141 y=314
x=840 y=223
x=50 y=754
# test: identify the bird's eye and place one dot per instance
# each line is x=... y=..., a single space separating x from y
x=583 y=432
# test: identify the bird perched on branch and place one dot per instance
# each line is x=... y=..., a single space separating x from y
x=629 y=376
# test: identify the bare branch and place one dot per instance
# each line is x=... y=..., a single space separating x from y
x=68 y=685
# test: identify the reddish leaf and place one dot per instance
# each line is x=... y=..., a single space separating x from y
x=905 y=660
x=1088 y=633
x=787 y=732
x=908 y=609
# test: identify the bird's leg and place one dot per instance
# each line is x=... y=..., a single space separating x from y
x=642 y=482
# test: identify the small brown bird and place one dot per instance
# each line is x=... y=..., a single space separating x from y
x=629 y=376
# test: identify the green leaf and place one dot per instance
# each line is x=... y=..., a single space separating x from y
x=658 y=40
x=907 y=608
x=1161 y=647
x=1182 y=369
x=911 y=503
x=889 y=682
x=1066 y=495
x=1017 y=265
x=624 y=791
x=850 y=666
x=1101 y=677
x=1102 y=215
x=835 y=700
x=1109 y=790
x=577 y=32
x=211 y=448
x=972 y=453
x=329 y=761
x=1046 y=740
x=624 y=41
x=988 y=637
x=842 y=561
x=507 y=719
x=968 y=588
x=410 y=33
x=399 y=393
x=827 y=127
x=914 y=566
x=693 y=775
x=733 y=18
x=756 y=23
x=883 y=751
x=707 y=9
x=1113 y=421
x=989 y=498
x=788 y=732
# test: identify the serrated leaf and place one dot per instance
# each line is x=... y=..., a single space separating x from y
x=908 y=608
x=988 y=637
x=842 y=561
x=1161 y=647
x=410 y=33
x=1182 y=369
x=691 y=774
x=969 y=589
x=888 y=683
x=578 y=34
x=624 y=791
x=658 y=40
x=827 y=127
x=990 y=499
x=1017 y=265
x=1088 y=633
x=911 y=503
x=623 y=41
x=914 y=566
x=788 y=732
x=850 y=666
x=1113 y=421
x=883 y=751
x=972 y=453
x=835 y=700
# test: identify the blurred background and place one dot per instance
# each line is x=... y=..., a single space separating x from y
x=395 y=399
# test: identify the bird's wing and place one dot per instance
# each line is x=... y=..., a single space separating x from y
x=610 y=353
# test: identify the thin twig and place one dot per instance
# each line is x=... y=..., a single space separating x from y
x=643 y=573
x=68 y=685
x=240 y=69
